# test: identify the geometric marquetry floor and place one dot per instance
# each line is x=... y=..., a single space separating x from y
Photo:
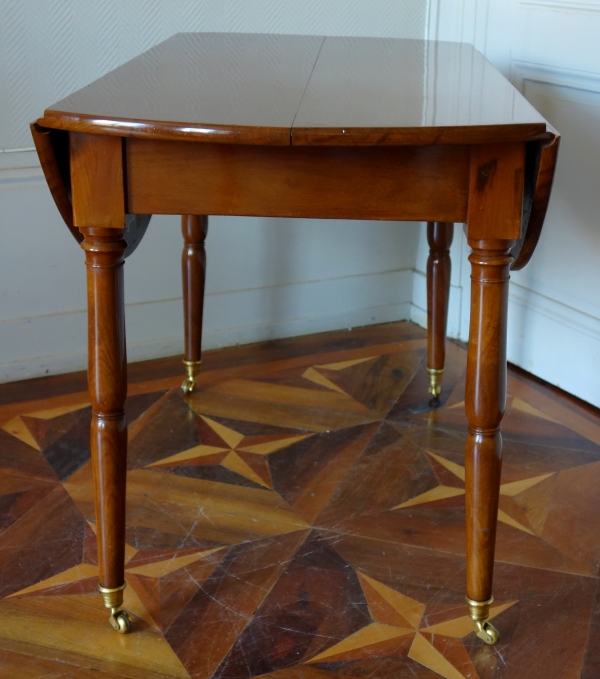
x=300 y=516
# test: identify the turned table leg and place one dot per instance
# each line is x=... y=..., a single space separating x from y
x=485 y=403
x=193 y=267
x=439 y=237
x=107 y=378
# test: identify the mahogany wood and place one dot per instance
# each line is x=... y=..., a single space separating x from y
x=107 y=380
x=485 y=400
x=539 y=192
x=496 y=191
x=97 y=181
x=352 y=183
x=304 y=127
x=193 y=267
x=495 y=208
x=54 y=159
x=439 y=266
x=99 y=212
x=257 y=89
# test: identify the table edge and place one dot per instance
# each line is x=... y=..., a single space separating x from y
x=153 y=129
x=297 y=136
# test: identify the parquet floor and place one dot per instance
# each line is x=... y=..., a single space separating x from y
x=300 y=516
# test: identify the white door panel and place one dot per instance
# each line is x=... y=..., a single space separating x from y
x=550 y=51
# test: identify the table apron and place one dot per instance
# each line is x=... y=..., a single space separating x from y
x=396 y=183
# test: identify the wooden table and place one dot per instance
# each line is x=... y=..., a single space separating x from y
x=301 y=126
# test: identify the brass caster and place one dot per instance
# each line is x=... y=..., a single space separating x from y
x=113 y=599
x=192 y=368
x=120 y=620
x=479 y=612
x=188 y=385
x=435 y=383
x=487 y=633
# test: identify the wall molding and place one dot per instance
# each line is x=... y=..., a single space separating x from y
x=20 y=168
x=540 y=318
x=155 y=329
x=569 y=316
x=564 y=5
x=522 y=71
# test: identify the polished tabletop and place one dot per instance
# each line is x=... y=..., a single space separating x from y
x=303 y=90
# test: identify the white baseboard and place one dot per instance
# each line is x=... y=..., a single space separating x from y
x=154 y=329
x=562 y=343
x=556 y=342
x=418 y=312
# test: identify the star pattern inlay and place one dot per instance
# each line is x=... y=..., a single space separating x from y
x=186 y=569
x=253 y=552
x=244 y=455
x=452 y=486
x=318 y=373
x=401 y=626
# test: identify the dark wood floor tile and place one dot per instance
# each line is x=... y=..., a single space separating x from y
x=47 y=430
x=307 y=474
x=591 y=663
x=377 y=382
x=19 y=494
x=581 y=417
x=19 y=458
x=228 y=600
x=517 y=426
x=442 y=529
x=317 y=598
x=387 y=473
x=416 y=397
x=69 y=452
x=572 y=519
x=303 y=672
x=520 y=460
x=166 y=586
x=45 y=541
x=209 y=472
x=173 y=428
x=142 y=538
x=138 y=404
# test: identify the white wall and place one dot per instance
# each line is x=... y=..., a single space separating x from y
x=266 y=277
x=270 y=278
x=549 y=50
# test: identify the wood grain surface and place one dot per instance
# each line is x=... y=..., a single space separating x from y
x=281 y=90
x=352 y=183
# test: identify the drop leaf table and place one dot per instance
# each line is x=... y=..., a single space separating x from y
x=301 y=126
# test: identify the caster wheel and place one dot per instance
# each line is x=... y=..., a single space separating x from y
x=188 y=386
x=487 y=633
x=120 y=621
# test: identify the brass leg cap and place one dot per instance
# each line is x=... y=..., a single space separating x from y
x=113 y=599
x=479 y=612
